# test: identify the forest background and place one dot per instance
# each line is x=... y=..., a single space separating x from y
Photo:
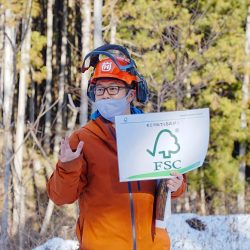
x=192 y=53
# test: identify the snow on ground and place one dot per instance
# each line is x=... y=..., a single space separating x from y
x=231 y=232
x=58 y=244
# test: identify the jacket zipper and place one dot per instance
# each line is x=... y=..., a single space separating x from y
x=132 y=214
x=139 y=186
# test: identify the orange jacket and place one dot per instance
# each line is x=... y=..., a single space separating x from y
x=113 y=215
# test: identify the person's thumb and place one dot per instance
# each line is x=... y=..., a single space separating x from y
x=79 y=147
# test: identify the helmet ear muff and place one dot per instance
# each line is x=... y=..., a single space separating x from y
x=142 y=92
x=90 y=92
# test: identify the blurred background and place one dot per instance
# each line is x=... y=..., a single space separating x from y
x=193 y=54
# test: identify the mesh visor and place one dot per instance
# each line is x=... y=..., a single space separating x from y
x=108 y=51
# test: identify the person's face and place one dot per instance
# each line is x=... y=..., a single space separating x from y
x=117 y=89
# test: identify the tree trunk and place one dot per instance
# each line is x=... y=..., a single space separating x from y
x=186 y=202
x=72 y=120
x=49 y=75
x=202 y=194
x=8 y=91
x=32 y=102
x=74 y=56
x=98 y=23
x=223 y=203
x=1 y=61
x=86 y=23
x=193 y=201
x=47 y=217
x=113 y=28
x=245 y=99
x=19 y=190
x=59 y=121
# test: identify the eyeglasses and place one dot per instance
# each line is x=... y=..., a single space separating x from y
x=112 y=90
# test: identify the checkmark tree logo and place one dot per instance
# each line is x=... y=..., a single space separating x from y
x=165 y=137
x=166 y=145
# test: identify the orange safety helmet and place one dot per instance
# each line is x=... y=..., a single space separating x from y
x=108 y=63
x=107 y=68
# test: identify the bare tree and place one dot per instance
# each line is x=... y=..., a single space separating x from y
x=47 y=217
x=1 y=57
x=49 y=74
x=245 y=100
x=86 y=24
x=98 y=4
x=75 y=110
x=19 y=189
x=202 y=193
x=59 y=121
x=8 y=90
x=113 y=23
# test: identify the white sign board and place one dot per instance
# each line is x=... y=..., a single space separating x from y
x=151 y=146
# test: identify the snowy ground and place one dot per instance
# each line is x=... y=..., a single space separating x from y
x=212 y=233
x=58 y=244
x=221 y=232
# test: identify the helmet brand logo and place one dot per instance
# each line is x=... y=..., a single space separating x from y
x=106 y=66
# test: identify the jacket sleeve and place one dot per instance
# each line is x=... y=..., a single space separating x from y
x=181 y=189
x=68 y=179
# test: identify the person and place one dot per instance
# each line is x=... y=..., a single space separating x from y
x=113 y=215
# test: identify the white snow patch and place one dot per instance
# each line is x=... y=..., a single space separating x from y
x=229 y=232
x=59 y=244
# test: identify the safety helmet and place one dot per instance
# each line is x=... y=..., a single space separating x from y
x=107 y=68
x=114 y=61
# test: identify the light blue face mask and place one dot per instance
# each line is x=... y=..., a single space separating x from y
x=109 y=108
